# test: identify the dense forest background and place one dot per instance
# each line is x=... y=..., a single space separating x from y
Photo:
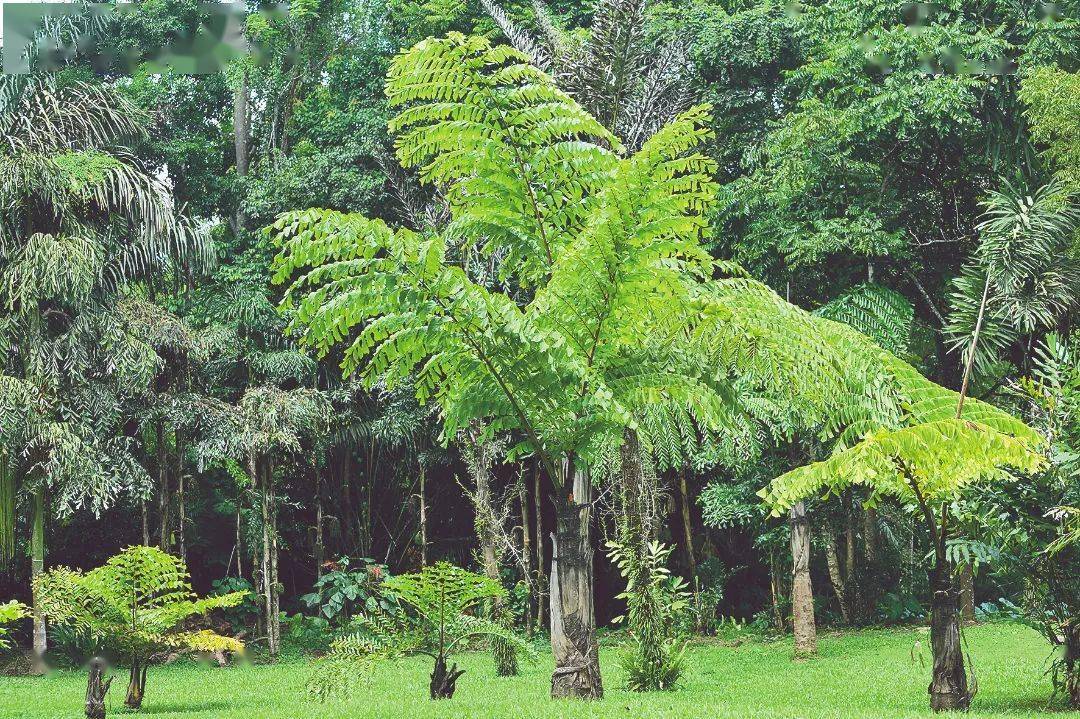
x=861 y=147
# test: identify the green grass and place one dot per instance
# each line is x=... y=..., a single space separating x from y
x=861 y=674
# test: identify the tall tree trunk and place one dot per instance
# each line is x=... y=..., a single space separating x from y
x=163 y=484
x=318 y=549
x=802 y=593
x=948 y=687
x=262 y=472
x=688 y=532
x=774 y=593
x=573 y=622
x=541 y=576
x=836 y=577
x=275 y=582
x=37 y=566
x=526 y=551
x=423 y=518
x=96 y=689
x=487 y=519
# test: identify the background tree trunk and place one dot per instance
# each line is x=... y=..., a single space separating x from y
x=526 y=551
x=573 y=623
x=802 y=593
x=541 y=576
x=423 y=519
x=37 y=566
x=688 y=533
x=835 y=575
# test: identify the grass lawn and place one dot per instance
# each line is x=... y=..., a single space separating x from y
x=862 y=674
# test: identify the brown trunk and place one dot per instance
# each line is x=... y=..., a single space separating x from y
x=526 y=550
x=948 y=687
x=261 y=472
x=136 y=684
x=275 y=583
x=573 y=622
x=835 y=576
x=774 y=593
x=688 y=534
x=181 y=517
x=541 y=577
x=443 y=680
x=96 y=689
x=967 y=592
x=802 y=593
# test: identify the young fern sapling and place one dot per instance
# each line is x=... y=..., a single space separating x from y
x=443 y=611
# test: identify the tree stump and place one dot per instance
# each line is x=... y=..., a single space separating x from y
x=96 y=689
x=443 y=680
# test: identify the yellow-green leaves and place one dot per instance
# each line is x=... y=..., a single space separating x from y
x=935 y=459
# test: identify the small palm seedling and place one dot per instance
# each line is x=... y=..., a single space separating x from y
x=443 y=611
x=136 y=604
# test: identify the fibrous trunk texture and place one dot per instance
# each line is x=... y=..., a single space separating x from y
x=443 y=680
x=948 y=687
x=136 y=684
x=1071 y=661
x=802 y=592
x=96 y=689
x=573 y=623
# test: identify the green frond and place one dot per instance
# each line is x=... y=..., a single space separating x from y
x=932 y=461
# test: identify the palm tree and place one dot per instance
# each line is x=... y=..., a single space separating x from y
x=80 y=222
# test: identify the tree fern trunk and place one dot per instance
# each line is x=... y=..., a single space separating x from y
x=573 y=622
x=949 y=687
x=136 y=691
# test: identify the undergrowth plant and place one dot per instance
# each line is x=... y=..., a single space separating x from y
x=656 y=604
x=443 y=611
x=136 y=604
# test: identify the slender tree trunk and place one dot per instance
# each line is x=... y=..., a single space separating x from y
x=774 y=593
x=96 y=689
x=163 y=484
x=181 y=517
x=275 y=582
x=136 y=684
x=318 y=534
x=260 y=470
x=573 y=622
x=37 y=566
x=526 y=551
x=870 y=534
x=423 y=518
x=948 y=687
x=802 y=593
x=145 y=523
x=541 y=577
x=688 y=532
x=835 y=575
